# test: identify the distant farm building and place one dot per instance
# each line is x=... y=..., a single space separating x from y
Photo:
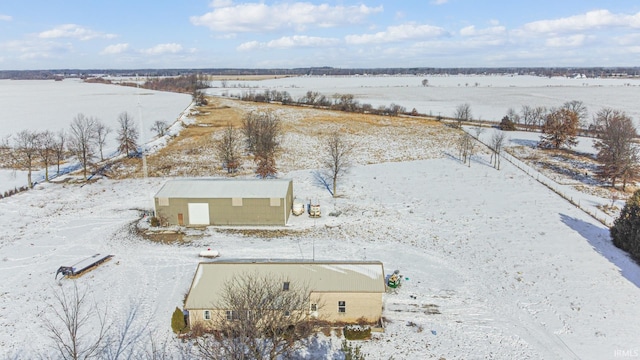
x=343 y=292
x=203 y=202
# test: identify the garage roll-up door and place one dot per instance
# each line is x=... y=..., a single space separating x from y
x=198 y=213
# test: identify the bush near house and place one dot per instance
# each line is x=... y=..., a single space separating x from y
x=177 y=321
x=357 y=332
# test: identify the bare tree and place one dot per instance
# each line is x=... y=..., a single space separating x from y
x=262 y=319
x=337 y=158
x=462 y=113
x=46 y=150
x=602 y=119
x=263 y=132
x=125 y=341
x=228 y=149
x=513 y=115
x=498 y=139
x=539 y=115
x=526 y=115
x=101 y=136
x=82 y=140
x=478 y=130
x=127 y=134
x=466 y=146
x=160 y=127
x=580 y=109
x=560 y=128
x=25 y=150
x=617 y=153
x=76 y=327
x=199 y=97
x=59 y=148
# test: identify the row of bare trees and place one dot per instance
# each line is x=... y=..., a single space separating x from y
x=560 y=127
x=85 y=140
x=340 y=102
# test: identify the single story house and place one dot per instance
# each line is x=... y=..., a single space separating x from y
x=339 y=291
x=202 y=202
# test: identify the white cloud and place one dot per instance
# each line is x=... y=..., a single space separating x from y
x=28 y=50
x=472 y=31
x=5 y=17
x=397 y=33
x=221 y=3
x=73 y=31
x=288 y=42
x=567 y=41
x=250 y=45
x=257 y=17
x=171 y=48
x=590 y=20
x=115 y=49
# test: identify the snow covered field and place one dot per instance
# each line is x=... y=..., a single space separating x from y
x=489 y=96
x=497 y=266
x=39 y=105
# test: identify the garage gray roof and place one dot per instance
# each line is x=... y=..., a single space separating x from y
x=319 y=276
x=224 y=188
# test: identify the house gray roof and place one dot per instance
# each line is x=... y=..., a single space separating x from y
x=318 y=276
x=224 y=188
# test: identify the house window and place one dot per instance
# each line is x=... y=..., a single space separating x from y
x=236 y=201
x=314 y=307
x=287 y=313
x=207 y=315
x=342 y=306
x=285 y=286
x=231 y=315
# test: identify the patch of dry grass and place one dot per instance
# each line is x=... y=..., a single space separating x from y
x=191 y=152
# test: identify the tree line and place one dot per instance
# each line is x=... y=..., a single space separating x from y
x=613 y=130
x=84 y=140
x=339 y=102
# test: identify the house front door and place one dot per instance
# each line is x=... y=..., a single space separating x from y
x=180 y=219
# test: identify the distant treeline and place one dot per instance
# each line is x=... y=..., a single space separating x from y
x=180 y=84
x=339 y=102
x=536 y=71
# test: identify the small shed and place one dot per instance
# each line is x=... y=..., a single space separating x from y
x=203 y=202
x=340 y=291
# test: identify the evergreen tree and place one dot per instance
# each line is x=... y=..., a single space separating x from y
x=177 y=321
x=625 y=231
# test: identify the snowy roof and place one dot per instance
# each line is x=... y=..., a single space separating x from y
x=224 y=188
x=319 y=276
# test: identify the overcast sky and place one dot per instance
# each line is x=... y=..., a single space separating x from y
x=125 y=34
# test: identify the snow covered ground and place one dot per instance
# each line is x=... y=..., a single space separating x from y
x=496 y=265
x=489 y=96
x=39 y=105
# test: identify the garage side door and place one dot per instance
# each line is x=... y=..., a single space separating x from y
x=198 y=213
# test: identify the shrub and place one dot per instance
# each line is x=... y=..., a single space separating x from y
x=357 y=332
x=177 y=321
x=507 y=125
x=154 y=221
x=351 y=352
